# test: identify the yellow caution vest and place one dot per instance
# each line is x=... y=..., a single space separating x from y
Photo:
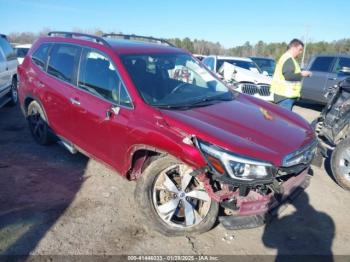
x=280 y=86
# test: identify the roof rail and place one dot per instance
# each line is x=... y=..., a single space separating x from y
x=97 y=39
x=140 y=37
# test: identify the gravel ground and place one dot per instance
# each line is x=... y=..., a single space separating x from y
x=55 y=203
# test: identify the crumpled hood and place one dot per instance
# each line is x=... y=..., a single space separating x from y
x=240 y=74
x=246 y=126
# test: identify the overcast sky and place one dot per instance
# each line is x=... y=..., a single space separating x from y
x=229 y=22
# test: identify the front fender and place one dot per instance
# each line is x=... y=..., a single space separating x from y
x=176 y=145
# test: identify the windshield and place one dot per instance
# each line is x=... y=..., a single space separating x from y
x=265 y=64
x=240 y=63
x=174 y=80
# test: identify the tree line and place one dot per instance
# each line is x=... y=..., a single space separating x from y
x=261 y=48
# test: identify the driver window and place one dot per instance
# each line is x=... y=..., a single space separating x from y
x=98 y=76
x=342 y=62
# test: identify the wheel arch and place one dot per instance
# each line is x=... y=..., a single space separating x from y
x=27 y=102
x=141 y=156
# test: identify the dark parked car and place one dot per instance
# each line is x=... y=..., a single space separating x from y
x=190 y=142
x=8 y=73
x=325 y=73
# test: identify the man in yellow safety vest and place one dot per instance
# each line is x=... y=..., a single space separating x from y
x=286 y=81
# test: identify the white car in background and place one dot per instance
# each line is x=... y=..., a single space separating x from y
x=242 y=74
x=8 y=73
x=21 y=51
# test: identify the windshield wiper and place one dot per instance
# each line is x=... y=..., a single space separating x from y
x=179 y=107
x=212 y=99
x=204 y=101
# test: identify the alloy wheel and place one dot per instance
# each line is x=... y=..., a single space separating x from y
x=179 y=199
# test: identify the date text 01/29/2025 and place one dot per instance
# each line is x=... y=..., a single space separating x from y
x=173 y=258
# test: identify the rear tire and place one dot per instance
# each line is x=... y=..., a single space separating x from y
x=172 y=202
x=38 y=124
x=340 y=164
x=14 y=92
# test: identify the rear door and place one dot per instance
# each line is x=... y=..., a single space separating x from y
x=58 y=87
x=314 y=87
x=102 y=109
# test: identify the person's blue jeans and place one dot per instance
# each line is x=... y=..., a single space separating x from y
x=287 y=103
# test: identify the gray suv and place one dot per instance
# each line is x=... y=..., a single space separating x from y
x=326 y=72
x=8 y=73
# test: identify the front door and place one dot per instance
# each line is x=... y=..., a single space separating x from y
x=100 y=117
x=314 y=87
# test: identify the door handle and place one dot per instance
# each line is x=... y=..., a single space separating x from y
x=74 y=101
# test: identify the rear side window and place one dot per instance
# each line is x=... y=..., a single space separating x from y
x=39 y=57
x=322 y=64
x=7 y=49
x=63 y=60
x=98 y=76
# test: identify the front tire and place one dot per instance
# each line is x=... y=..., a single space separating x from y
x=173 y=202
x=340 y=164
x=38 y=124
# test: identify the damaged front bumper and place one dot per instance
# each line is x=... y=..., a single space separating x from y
x=247 y=188
x=255 y=208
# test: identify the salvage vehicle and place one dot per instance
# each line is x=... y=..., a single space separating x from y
x=192 y=144
x=8 y=73
x=242 y=74
x=332 y=129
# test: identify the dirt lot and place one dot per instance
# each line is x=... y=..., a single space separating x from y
x=54 y=203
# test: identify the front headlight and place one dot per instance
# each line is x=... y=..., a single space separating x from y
x=302 y=156
x=237 y=167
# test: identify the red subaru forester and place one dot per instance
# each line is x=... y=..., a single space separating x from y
x=155 y=114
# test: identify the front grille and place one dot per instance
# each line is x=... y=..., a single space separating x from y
x=252 y=89
x=264 y=90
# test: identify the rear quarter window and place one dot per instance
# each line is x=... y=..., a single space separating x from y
x=322 y=64
x=39 y=57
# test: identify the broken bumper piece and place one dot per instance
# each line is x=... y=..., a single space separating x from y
x=255 y=209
